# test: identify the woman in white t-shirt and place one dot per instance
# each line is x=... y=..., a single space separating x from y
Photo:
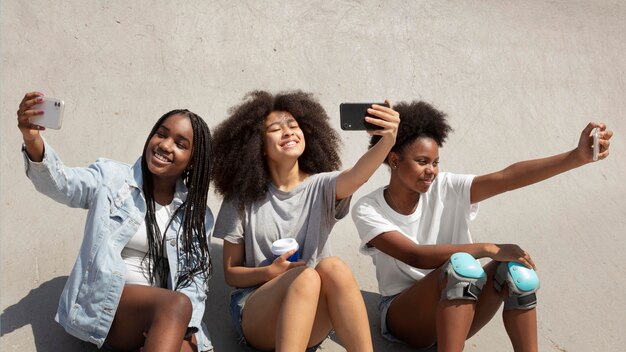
x=413 y=226
x=276 y=158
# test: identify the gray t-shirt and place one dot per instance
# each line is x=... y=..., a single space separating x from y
x=306 y=213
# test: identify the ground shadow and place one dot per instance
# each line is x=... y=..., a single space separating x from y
x=37 y=309
x=39 y=306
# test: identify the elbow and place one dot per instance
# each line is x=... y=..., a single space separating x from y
x=229 y=278
x=419 y=263
x=229 y=282
x=423 y=262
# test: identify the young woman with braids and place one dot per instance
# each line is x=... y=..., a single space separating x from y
x=141 y=275
x=419 y=222
x=276 y=158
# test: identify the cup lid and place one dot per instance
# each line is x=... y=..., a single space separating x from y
x=284 y=245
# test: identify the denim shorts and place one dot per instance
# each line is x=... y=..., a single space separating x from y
x=383 y=308
x=237 y=302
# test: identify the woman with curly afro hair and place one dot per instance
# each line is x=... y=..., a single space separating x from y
x=416 y=229
x=276 y=158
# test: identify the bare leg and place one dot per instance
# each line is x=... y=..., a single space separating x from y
x=454 y=319
x=521 y=325
x=341 y=306
x=279 y=315
x=163 y=315
x=489 y=301
x=412 y=315
x=189 y=345
x=420 y=318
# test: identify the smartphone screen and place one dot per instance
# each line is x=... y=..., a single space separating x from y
x=352 y=116
x=52 y=113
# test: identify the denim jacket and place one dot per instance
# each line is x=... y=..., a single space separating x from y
x=112 y=193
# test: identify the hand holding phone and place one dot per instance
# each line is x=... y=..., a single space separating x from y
x=352 y=116
x=596 y=143
x=52 y=116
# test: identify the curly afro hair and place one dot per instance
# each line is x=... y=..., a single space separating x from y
x=417 y=119
x=239 y=166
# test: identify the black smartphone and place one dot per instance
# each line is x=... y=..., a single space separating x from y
x=352 y=116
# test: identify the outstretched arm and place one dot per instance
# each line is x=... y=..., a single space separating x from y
x=526 y=173
x=351 y=179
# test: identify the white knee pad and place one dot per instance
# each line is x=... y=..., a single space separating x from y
x=523 y=282
x=466 y=277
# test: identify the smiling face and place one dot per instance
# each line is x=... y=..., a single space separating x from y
x=418 y=165
x=169 y=150
x=282 y=136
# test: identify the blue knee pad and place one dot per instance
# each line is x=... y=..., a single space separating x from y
x=523 y=282
x=466 y=277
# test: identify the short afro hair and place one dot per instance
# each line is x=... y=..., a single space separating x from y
x=417 y=119
x=240 y=166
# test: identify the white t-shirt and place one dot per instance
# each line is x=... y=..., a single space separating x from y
x=442 y=217
x=137 y=271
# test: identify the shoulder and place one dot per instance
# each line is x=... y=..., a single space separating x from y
x=114 y=174
x=370 y=202
x=451 y=187
x=209 y=219
x=452 y=180
x=109 y=165
x=323 y=177
x=228 y=210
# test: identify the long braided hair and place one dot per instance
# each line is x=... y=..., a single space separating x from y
x=193 y=241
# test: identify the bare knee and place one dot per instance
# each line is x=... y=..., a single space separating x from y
x=334 y=271
x=307 y=281
x=176 y=307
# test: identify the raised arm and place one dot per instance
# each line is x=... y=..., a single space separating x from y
x=30 y=132
x=525 y=173
x=351 y=179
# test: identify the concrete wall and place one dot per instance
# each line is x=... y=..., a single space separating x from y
x=519 y=80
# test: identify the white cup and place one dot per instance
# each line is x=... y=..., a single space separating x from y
x=284 y=245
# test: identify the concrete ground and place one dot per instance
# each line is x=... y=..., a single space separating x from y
x=518 y=80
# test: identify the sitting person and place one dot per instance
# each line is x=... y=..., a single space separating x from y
x=141 y=275
x=276 y=158
x=416 y=229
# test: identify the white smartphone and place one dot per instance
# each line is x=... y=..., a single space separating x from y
x=596 y=144
x=52 y=116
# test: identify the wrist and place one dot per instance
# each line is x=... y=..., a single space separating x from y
x=29 y=140
x=489 y=250
x=270 y=273
x=579 y=157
